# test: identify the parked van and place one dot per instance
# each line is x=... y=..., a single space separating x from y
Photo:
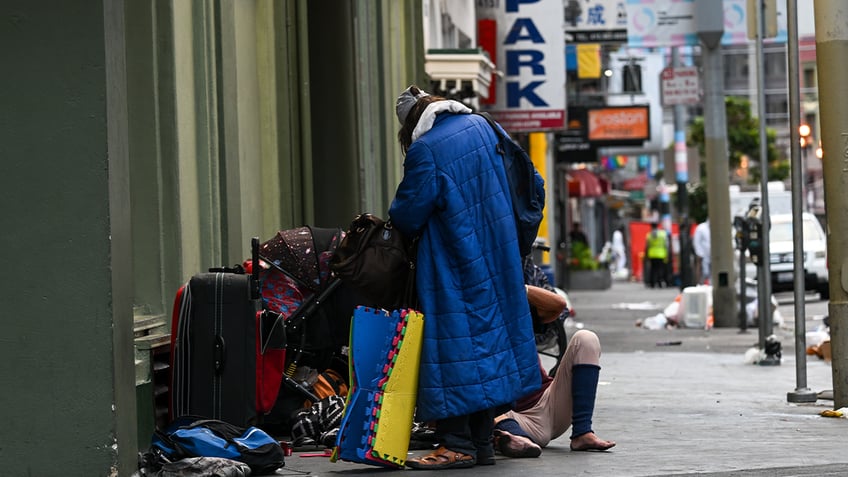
x=780 y=199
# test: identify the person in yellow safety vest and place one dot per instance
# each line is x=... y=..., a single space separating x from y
x=656 y=249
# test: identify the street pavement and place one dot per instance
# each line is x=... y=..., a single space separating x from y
x=696 y=407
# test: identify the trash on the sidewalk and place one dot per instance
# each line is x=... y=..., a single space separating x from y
x=326 y=453
x=693 y=309
x=816 y=337
x=822 y=350
x=696 y=307
x=771 y=354
x=672 y=311
x=754 y=355
x=669 y=343
x=656 y=322
x=832 y=413
x=645 y=305
x=690 y=309
x=818 y=341
x=752 y=312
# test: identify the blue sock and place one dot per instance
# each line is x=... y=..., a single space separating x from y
x=584 y=387
x=511 y=426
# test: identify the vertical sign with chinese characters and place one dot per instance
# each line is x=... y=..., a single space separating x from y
x=531 y=55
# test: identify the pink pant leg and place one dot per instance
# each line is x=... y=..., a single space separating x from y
x=551 y=416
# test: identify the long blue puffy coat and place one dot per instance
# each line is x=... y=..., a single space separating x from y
x=479 y=349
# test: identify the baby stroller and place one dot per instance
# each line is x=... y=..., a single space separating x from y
x=296 y=282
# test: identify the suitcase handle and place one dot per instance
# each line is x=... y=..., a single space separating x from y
x=219 y=354
x=255 y=289
x=234 y=269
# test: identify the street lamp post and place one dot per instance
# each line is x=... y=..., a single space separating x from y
x=802 y=392
x=764 y=278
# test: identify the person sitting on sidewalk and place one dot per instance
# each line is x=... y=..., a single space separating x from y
x=566 y=400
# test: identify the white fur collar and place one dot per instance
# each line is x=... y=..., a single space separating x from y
x=428 y=117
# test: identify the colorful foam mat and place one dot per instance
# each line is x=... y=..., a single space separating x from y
x=385 y=351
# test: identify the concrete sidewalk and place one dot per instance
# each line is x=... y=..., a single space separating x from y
x=696 y=408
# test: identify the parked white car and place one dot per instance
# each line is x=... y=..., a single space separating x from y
x=781 y=251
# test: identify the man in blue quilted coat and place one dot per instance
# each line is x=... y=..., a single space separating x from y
x=479 y=351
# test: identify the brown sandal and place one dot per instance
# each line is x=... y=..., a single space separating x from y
x=442 y=458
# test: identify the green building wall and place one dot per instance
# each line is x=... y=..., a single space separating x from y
x=67 y=373
x=143 y=142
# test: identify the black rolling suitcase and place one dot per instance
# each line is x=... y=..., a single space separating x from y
x=227 y=354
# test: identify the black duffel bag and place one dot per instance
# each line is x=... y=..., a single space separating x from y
x=377 y=261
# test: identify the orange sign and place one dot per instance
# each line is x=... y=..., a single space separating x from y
x=616 y=124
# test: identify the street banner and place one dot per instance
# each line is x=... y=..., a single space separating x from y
x=662 y=23
x=588 y=61
x=529 y=49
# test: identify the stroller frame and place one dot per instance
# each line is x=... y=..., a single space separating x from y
x=287 y=250
x=533 y=275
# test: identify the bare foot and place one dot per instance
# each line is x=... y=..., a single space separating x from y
x=590 y=442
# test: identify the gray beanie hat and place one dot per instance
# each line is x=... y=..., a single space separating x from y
x=406 y=101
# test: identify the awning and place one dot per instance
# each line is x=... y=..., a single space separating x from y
x=635 y=183
x=457 y=66
x=585 y=183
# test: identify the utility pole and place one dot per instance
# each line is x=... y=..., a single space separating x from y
x=831 y=16
x=681 y=169
x=709 y=19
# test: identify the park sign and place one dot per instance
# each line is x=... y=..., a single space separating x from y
x=525 y=39
x=680 y=85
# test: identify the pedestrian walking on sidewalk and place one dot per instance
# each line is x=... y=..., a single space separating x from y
x=576 y=235
x=656 y=249
x=479 y=349
x=619 y=251
x=701 y=246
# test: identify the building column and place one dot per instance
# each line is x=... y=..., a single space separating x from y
x=69 y=374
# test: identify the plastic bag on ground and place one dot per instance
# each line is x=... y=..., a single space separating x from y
x=656 y=322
